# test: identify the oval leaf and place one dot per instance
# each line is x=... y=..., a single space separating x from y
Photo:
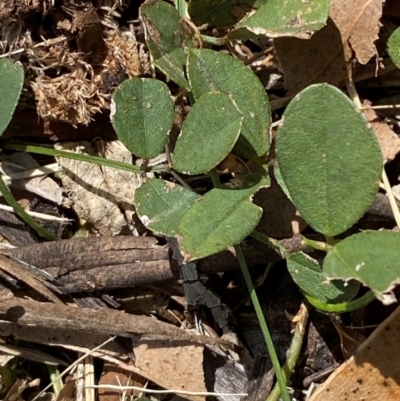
x=221 y=13
x=160 y=205
x=393 y=47
x=143 y=115
x=11 y=81
x=371 y=257
x=275 y=19
x=221 y=218
x=209 y=70
x=307 y=274
x=165 y=39
x=209 y=133
x=329 y=158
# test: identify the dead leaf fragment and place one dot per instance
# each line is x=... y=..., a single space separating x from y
x=388 y=140
x=358 y=22
x=352 y=26
x=373 y=373
x=99 y=193
x=116 y=376
x=172 y=367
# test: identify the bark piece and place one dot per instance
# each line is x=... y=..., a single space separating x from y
x=16 y=270
x=14 y=230
x=102 y=322
x=87 y=264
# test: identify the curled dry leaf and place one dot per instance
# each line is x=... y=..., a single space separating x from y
x=100 y=193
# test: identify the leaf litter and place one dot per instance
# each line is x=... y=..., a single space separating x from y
x=72 y=84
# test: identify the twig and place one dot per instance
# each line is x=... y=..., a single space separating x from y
x=149 y=391
x=37 y=214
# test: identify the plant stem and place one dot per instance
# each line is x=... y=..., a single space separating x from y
x=330 y=240
x=213 y=41
x=318 y=245
x=180 y=5
x=55 y=379
x=343 y=306
x=263 y=324
x=294 y=351
x=270 y=242
x=215 y=178
x=42 y=150
x=257 y=307
x=20 y=211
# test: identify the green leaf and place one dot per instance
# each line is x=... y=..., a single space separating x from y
x=393 y=47
x=209 y=70
x=11 y=81
x=222 y=13
x=143 y=115
x=221 y=218
x=371 y=257
x=279 y=18
x=329 y=159
x=307 y=274
x=209 y=133
x=279 y=179
x=161 y=204
x=165 y=39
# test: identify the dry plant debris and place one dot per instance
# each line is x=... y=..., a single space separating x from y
x=322 y=58
x=72 y=84
x=373 y=373
x=101 y=195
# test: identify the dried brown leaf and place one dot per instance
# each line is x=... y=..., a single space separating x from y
x=116 y=376
x=358 y=22
x=373 y=373
x=322 y=58
x=388 y=140
x=99 y=192
x=172 y=367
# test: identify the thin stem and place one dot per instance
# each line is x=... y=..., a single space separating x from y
x=215 y=178
x=42 y=150
x=331 y=241
x=180 y=5
x=341 y=307
x=317 y=245
x=271 y=243
x=20 y=211
x=263 y=324
x=257 y=307
x=294 y=351
x=55 y=379
x=213 y=41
